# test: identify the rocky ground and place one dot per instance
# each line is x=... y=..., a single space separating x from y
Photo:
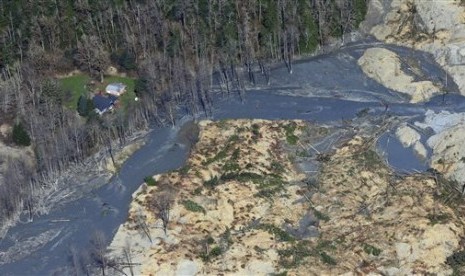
x=437 y=27
x=241 y=206
x=387 y=68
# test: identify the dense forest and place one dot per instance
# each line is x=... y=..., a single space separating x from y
x=171 y=47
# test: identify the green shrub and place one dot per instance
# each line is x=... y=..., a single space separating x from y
x=284 y=273
x=319 y=215
x=210 y=240
x=184 y=170
x=360 y=10
x=222 y=123
x=457 y=262
x=293 y=256
x=220 y=155
x=231 y=166
x=242 y=177
x=193 y=206
x=438 y=218
x=212 y=182
x=268 y=193
x=216 y=251
x=277 y=167
x=235 y=155
x=290 y=137
x=233 y=138
x=371 y=250
x=197 y=191
x=150 y=181
x=20 y=136
x=325 y=258
x=255 y=129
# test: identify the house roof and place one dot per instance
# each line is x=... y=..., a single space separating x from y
x=103 y=103
x=115 y=87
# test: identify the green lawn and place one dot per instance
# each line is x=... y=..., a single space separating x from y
x=77 y=84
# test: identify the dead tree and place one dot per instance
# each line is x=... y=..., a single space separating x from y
x=161 y=205
x=128 y=257
x=141 y=224
x=98 y=250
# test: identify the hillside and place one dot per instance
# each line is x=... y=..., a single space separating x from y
x=169 y=68
x=241 y=206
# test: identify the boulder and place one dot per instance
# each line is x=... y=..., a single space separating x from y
x=407 y=135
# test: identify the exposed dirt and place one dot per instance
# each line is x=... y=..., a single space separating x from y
x=240 y=207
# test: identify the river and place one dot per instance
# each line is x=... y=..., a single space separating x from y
x=326 y=89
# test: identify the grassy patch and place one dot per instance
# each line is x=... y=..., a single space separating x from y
x=219 y=156
x=77 y=86
x=267 y=184
x=292 y=257
x=290 y=137
x=193 y=206
x=279 y=234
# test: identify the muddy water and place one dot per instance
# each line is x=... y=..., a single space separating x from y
x=328 y=89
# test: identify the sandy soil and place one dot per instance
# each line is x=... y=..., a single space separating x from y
x=358 y=217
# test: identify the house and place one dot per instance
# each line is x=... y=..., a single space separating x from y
x=103 y=104
x=115 y=89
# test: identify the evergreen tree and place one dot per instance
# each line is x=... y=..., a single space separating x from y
x=20 y=136
x=360 y=9
x=82 y=107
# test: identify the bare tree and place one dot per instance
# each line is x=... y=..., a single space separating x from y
x=75 y=260
x=161 y=205
x=128 y=257
x=142 y=225
x=98 y=250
